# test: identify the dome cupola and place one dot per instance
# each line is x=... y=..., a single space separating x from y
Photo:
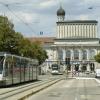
x=61 y=14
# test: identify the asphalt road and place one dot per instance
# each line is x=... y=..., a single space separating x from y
x=71 y=89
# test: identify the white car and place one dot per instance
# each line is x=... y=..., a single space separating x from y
x=97 y=73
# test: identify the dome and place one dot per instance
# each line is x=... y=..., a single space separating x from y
x=61 y=12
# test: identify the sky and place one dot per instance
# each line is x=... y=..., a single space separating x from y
x=31 y=17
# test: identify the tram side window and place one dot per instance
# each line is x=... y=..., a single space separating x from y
x=23 y=64
x=16 y=63
x=8 y=66
x=6 y=69
x=1 y=63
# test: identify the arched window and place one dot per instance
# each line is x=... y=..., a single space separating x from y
x=76 y=54
x=60 y=54
x=84 y=54
x=92 y=54
x=68 y=54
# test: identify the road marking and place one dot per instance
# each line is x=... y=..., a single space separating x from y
x=97 y=80
x=85 y=97
x=85 y=78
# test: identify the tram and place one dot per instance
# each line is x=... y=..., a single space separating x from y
x=15 y=69
x=55 y=69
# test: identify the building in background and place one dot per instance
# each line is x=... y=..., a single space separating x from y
x=75 y=39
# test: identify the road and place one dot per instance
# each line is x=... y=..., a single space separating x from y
x=71 y=89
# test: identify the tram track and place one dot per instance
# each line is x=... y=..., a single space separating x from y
x=18 y=87
x=18 y=93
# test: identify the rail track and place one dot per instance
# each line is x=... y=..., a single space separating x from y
x=21 y=92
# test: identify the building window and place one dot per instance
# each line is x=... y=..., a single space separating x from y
x=76 y=54
x=92 y=54
x=84 y=55
x=68 y=54
x=60 y=55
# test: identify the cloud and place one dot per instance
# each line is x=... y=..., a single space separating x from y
x=44 y=11
x=83 y=17
x=48 y=3
x=91 y=1
x=28 y=17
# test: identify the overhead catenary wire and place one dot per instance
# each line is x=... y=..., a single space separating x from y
x=7 y=6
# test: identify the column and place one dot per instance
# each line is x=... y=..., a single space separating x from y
x=64 y=54
x=72 y=58
x=88 y=58
x=56 y=54
x=95 y=31
x=80 y=58
x=68 y=31
x=71 y=30
x=88 y=54
x=72 y=54
x=91 y=31
x=60 y=31
x=96 y=51
x=80 y=55
x=64 y=31
x=62 y=36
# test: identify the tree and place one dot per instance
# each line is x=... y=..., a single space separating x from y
x=97 y=57
x=6 y=35
x=25 y=48
x=39 y=52
x=14 y=42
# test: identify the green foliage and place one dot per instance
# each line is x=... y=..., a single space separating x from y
x=38 y=52
x=97 y=57
x=7 y=32
x=13 y=42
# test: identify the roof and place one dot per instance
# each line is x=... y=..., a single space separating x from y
x=79 y=21
x=77 y=39
x=43 y=40
x=49 y=41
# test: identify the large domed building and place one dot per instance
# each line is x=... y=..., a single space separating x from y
x=76 y=40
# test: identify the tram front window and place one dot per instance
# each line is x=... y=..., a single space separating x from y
x=54 y=67
x=1 y=63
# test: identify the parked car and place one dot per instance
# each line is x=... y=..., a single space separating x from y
x=97 y=73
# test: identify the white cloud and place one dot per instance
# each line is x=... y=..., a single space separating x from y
x=27 y=17
x=83 y=17
x=24 y=16
x=90 y=1
x=48 y=3
x=44 y=11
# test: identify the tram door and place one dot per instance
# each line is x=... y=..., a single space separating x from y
x=8 y=70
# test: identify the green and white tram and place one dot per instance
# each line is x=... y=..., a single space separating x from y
x=15 y=69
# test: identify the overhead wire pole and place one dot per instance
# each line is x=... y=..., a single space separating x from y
x=7 y=6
